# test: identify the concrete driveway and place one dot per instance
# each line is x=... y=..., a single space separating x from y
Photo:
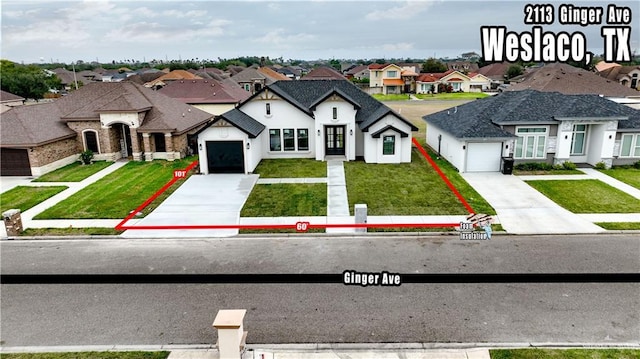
x=523 y=210
x=201 y=200
x=9 y=182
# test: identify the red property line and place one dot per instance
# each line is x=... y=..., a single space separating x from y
x=299 y=226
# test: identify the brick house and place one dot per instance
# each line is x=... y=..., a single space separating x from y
x=114 y=120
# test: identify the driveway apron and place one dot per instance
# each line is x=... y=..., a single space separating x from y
x=202 y=200
x=523 y=210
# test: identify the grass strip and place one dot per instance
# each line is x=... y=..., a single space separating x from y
x=90 y=355
x=25 y=197
x=285 y=200
x=71 y=231
x=619 y=226
x=74 y=172
x=587 y=196
x=291 y=168
x=564 y=353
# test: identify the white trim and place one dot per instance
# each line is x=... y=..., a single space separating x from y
x=84 y=139
x=535 y=143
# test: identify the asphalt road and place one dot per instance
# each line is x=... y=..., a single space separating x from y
x=130 y=314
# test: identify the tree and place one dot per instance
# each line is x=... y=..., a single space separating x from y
x=513 y=71
x=26 y=81
x=433 y=66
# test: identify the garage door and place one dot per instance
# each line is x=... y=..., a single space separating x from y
x=14 y=162
x=225 y=156
x=484 y=157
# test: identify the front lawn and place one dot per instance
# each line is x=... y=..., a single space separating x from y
x=391 y=97
x=286 y=200
x=587 y=196
x=292 y=168
x=535 y=353
x=74 y=172
x=25 y=197
x=400 y=189
x=630 y=176
x=619 y=226
x=118 y=193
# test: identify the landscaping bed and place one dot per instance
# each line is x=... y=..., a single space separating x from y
x=587 y=196
x=70 y=231
x=25 y=197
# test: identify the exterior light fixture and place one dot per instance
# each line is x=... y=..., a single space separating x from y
x=351 y=132
x=248 y=145
x=318 y=132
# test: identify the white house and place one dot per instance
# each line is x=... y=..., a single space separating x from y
x=304 y=119
x=534 y=126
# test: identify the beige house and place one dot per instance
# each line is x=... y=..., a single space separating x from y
x=458 y=81
x=386 y=79
x=113 y=120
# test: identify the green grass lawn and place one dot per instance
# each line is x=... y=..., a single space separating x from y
x=284 y=200
x=291 y=168
x=391 y=97
x=39 y=232
x=118 y=193
x=619 y=226
x=453 y=96
x=25 y=197
x=74 y=172
x=564 y=353
x=587 y=196
x=630 y=176
x=90 y=355
x=400 y=189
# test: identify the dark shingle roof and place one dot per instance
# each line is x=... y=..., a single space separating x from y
x=305 y=94
x=9 y=97
x=205 y=91
x=242 y=121
x=481 y=118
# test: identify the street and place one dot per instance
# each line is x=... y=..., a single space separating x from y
x=128 y=314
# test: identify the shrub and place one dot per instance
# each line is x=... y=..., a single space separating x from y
x=600 y=166
x=568 y=165
x=86 y=157
x=534 y=166
x=636 y=164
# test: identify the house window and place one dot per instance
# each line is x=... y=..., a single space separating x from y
x=388 y=145
x=392 y=73
x=634 y=81
x=274 y=140
x=531 y=142
x=159 y=140
x=91 y=141
x=289 y=139
x=303 y=139
x=247 y=87
x=630 y=145
x=335 y=113
x=455 y=86
x=578 y=139
x=268 y=109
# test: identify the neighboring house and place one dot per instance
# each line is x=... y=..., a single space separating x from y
x=568 y=79
x=114 y=120
x=304 y=119
x=462 y=66
x=323 y=73
x=9 y=100
x=386 y=79
x=212 y=96
x=253 y=79
x=628 y=76
x=358 y=72
x=174 y=75
x=458 y=81
x=496 y=72
x=534 y=126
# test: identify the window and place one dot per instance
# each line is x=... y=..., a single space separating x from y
x=303 y=139
x=91 y=141
x=247 y=87
x=578 y=139
x=274 y=140
x=392 y=73
x=159 y=140
x=630 y=146
x=289 y=139
x=268 y=109
x=389 y=145
x=335 y=113
x=531 y=142
x=634 y=81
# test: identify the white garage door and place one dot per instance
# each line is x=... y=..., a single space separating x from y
x=484 y=157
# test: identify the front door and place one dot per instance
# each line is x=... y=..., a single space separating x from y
x=334 y=140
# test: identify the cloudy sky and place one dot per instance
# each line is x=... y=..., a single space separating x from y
x=67 y=31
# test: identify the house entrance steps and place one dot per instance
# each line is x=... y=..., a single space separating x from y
x=337 y=200
x=202 y=200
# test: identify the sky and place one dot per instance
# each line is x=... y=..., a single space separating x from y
x=68 y=31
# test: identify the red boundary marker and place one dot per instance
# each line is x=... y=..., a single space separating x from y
x=299 y=226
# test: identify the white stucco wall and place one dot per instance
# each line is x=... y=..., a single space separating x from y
x=346 y=117
x=130 y=118
x=450 y=147
x=283 y=116
x=215 y=108
x=373 y=146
